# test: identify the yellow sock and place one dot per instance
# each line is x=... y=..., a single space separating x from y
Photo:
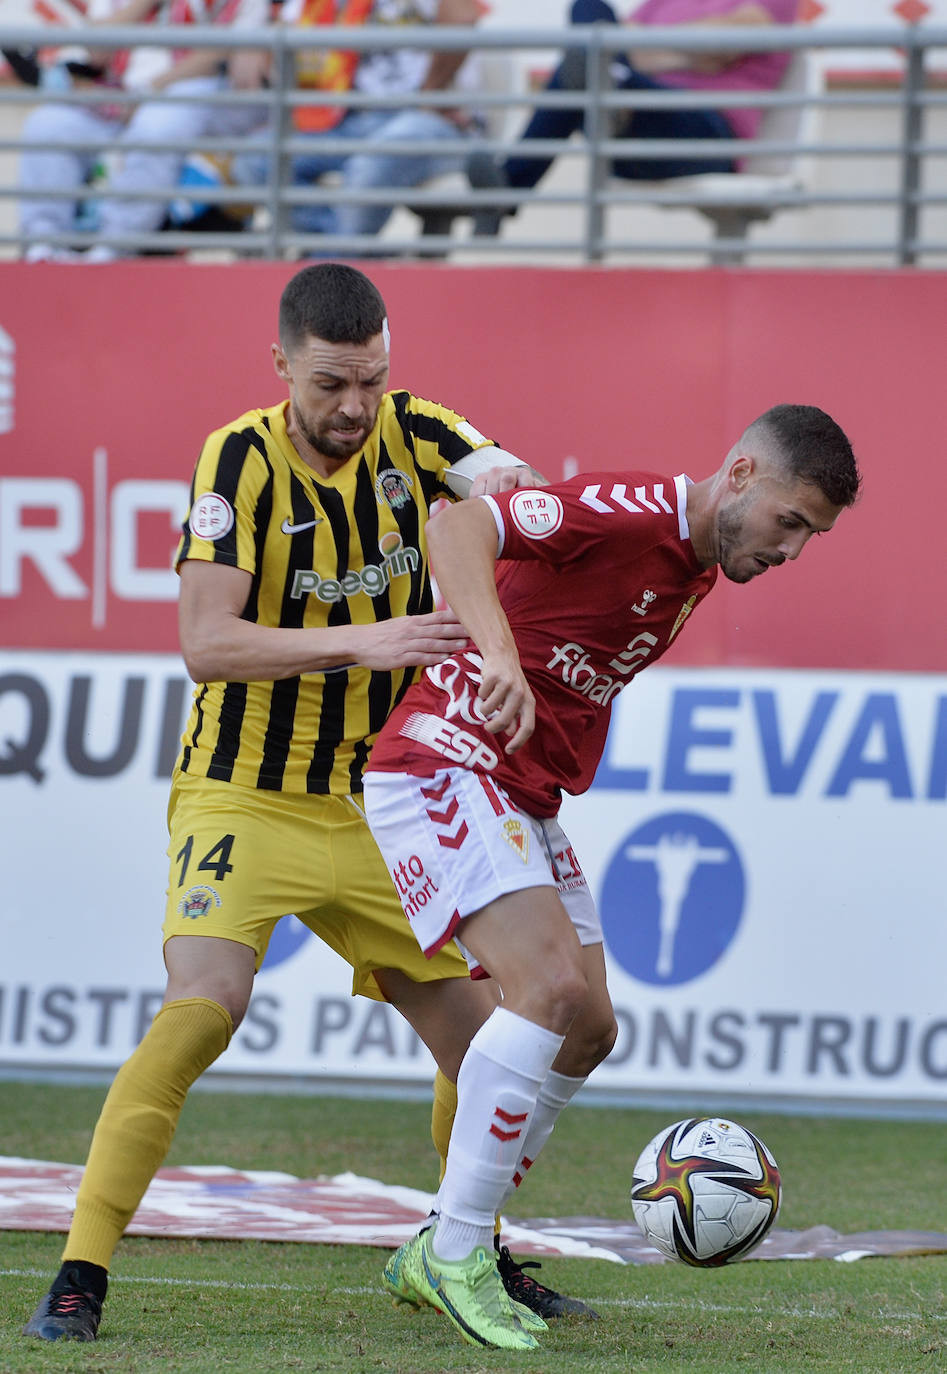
x=442 y=1120
x=138 y=1121
x=442 y=1117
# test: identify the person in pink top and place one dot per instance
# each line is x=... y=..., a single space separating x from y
x=567 y=592
x=652 y=69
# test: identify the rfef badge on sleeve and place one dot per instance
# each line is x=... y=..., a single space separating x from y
x=537 y=514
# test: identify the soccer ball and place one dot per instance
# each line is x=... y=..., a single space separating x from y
x=705 y=1191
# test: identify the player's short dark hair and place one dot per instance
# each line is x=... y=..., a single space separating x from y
x=333 y=302
x=813 y=448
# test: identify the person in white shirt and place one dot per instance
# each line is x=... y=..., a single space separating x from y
x=395 y=71
x=45 y=220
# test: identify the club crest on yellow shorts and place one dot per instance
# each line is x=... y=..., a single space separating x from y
x=198 y=902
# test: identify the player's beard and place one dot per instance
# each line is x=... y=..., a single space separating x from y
x=730 y=525
x=324 y=442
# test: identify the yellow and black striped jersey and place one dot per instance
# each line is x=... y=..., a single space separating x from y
x=322 y=551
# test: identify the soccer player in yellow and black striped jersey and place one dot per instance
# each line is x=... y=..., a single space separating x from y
x=305 y=608
x=341 y=545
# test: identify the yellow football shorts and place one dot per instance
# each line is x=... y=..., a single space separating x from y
x=241 y=858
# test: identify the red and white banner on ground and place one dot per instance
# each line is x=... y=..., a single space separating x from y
x=214 y=1202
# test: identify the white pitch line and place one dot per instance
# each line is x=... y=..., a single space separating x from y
x=180 y=1283
x=634 y=1304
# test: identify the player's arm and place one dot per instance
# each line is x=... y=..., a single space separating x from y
x=463 y=544
x=488 y=471
x=219 y=646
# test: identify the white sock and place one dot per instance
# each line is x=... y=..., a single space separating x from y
x=504 y=1068
x=555 y=1094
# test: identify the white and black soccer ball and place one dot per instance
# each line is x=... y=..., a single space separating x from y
x=705 y=1191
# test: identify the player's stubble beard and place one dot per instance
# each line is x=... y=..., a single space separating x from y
x=731 y=522
x=322 y=441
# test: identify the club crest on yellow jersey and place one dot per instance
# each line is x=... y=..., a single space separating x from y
x=393 y=488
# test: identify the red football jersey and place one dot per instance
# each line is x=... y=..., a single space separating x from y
x=597 y=576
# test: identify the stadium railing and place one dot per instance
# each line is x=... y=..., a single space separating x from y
x=732 y=205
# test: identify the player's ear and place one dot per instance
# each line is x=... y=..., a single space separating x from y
x=280 y=362
x=740 y=472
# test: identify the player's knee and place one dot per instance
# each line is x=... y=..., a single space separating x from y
x=599 y=1042
x=230 y=994
x=589 y=1043
x=565 y=988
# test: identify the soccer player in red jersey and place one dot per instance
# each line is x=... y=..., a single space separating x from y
x=567 y=592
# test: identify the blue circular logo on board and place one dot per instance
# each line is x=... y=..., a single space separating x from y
x=289 y=934
x=672 y=898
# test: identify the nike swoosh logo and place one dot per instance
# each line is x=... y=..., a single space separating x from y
x=288 y=528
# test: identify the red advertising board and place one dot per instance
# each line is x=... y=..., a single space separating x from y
x=110 y=378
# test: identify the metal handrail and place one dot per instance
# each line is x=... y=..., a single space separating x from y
x=911 y=149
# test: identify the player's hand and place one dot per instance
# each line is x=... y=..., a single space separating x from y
x=495 y=480
x=409 y=640
x=506 y=700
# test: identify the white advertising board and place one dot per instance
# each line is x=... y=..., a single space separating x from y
x=766 y=849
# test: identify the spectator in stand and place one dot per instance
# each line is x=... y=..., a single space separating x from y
x=647 y=69
x=191 y=72
x=44 y=220
x=397 y=71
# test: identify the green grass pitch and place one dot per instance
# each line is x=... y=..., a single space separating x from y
x=209 y=1307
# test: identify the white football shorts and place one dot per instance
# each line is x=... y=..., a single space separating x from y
x=456 y=841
